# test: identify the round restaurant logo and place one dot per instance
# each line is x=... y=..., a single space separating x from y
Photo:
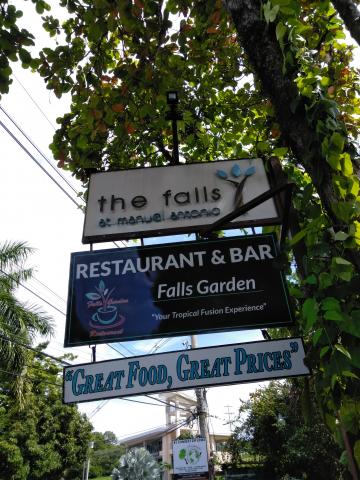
x=105 y=314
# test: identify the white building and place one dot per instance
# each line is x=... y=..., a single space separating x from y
x=179 y=420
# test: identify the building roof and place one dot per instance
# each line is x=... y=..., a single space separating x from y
x=158 y=432
x=151 y=434
x=180 y=396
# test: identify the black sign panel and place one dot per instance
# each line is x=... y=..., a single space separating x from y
x=175 y=289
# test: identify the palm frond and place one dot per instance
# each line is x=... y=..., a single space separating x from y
x=13 y=253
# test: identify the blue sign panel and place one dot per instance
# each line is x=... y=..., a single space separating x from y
x=175 y=289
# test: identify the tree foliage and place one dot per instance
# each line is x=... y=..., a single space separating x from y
x=137 y=464
x=264 y=78
x=46 y=440
x=105 y=454
x=19 y=322
x=271 y=426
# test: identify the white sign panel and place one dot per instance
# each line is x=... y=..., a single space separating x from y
x=177 y=199
x=190 y=456
x=211 y=366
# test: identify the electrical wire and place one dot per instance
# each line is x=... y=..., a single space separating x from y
x=37 y=162
x=171 y=428
x=14 y=374
x=34 y=101
x=31 y=291
x=49 y=289
x=46 y=159
x=127 y=349
x=56 y=170
x=39 y=352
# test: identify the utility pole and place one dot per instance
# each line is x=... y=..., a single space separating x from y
x=86 y=467
x=202 y=409
x=228 y=414
x=201 y=402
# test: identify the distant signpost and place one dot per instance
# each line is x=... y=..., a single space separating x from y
x=190 y=459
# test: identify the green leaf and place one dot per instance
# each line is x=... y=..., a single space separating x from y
x=352 y=324
x=342 y=268
x=309 y=311
x=82 y=142
x=349 y=374
x=333 y=315
x=357 y=452
x=317 y=336
x=325 y=81
x=325 y=280
x=280 y=152
x=334 y=160
x=343 y=350
x=324 y=350
x=270 y=12
x=262 y=146
x=311 y=280
x=338 y=141
x=348 y=415
x=280 y=31
x=355 y=356
x=330 y=303
x=346 y=164
x=297 y=237
x=340 y=236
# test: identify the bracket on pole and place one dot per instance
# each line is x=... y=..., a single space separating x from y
x=286 y=187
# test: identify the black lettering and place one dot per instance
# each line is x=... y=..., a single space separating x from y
x=114 y=200
x=139 y=201
x=215 y=194
x=102 y=200
x=186 y=197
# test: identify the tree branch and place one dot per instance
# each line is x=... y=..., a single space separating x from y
x=350 y=14
x=264 y=54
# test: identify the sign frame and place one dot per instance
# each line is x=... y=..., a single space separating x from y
x=190 y=228
x=293 y=345
x=80 y=328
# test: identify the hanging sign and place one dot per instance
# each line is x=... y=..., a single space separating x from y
x=190 y=459
x=178 y=199
x=175 y=289
x=186 y=369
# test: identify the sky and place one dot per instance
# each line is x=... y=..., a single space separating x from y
x=34 y=209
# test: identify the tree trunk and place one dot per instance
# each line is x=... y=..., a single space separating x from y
x=350 y=14
x=264 y=54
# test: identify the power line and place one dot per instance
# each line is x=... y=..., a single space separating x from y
x=127 y=349
x=39 y=352
x=14 y=374
x=49 y=289
x=29 y=290
x=56 y=170
x=46 y=159
x=34 y=102
x=37 y=163
x=171 y=428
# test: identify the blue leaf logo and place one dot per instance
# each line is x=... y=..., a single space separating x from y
x=92 y=296
x=250 y=171
x=236 y=171
x=221 y=174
